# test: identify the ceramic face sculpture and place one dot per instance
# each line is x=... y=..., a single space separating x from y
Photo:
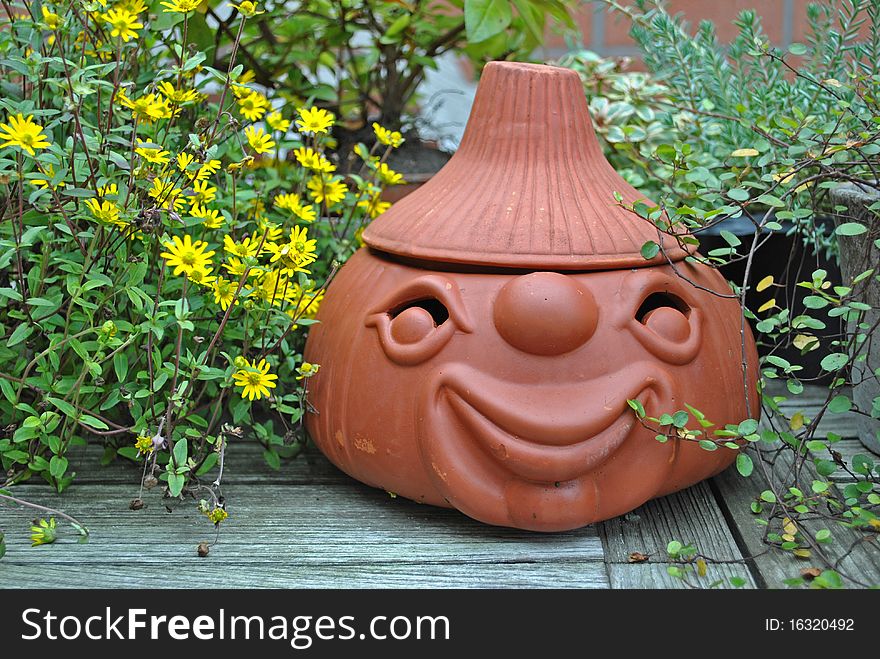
x=481 y=351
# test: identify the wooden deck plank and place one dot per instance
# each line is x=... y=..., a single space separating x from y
x=655 y=575
x=279 y=535
x=689 y=516
x=206 y=574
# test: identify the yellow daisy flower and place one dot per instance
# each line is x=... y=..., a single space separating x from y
x=202 y=194
x=247 y=247
x=185 y=256
x=178 y=95
x=247 y=8
x=49 y=172
x=253 y=106
x=258 y=140
x=314 y=120
x=277 y=122
x=224 y=292
x=23 y=133
x=153 y=154
x=388 y=176
x=180 y=6
x=389 y=138
x=255 y=379
x=330 y=189
x=374 y=206
x=166 y=195
x=211 y=218
x=50 y=20
x=314 y=160
x=125 y=24
x=207 y=169
x=237 y=267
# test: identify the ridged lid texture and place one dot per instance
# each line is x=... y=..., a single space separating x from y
x=529 y=187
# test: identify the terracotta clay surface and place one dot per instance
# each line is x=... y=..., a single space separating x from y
x=481 y=352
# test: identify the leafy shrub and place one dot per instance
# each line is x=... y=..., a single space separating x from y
x=167 y=233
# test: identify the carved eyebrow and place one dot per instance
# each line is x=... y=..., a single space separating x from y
x=428 y=287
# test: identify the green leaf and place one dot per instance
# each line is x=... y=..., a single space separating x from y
x=20 y=333
x=770 y=200
x=840 y=404
x=92 y=422
x=64 y=406
x=638 y=407
x=797 y=49
x=680 y=419
x=175 y=483
x=649 y=250
x=730 y=238
x=744 y=465
x=483 y=19
x=747 y=427
x=768 y=496
x=181 y=450
x=834 y=361
x=120 y=366
x=209 y=463
x=272 y=459
x=823 y=535
x=57 y=466
x=850 y=229
x=738 y=194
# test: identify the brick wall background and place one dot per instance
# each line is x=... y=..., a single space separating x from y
x=607 y=33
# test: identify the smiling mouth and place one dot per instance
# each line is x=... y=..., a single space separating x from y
x=547 y=452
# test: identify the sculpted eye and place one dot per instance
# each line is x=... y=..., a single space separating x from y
x=668 y=327
x=666 y=315
x=413 y=321
x=417 y=321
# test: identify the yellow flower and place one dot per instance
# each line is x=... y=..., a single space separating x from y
x=247 y=247
x=107 y=190
x=278 y=122
x=178 y=95
x=253 y=106
x=144 y=444
x=186 y=255
x=388 y=176
x=23 y=133
x=211 y=219
x=275 y=288
x=291 y=202
x=180 y=6
x=307 y=370
x=49 y=173
x=105 y=211
x=374 y=205
x=50 y=20
x=224 y=292
x=201 y=277
x=153 y=154
x=332 y=190
x=299 y=252
x=305 y=303
x=273 y=232
x=247 y=8
x=259 y=141
x=166 y=195
x=314 y=120
x=311 y=159
x=255 y=379
x=184 y=160
x=387 y=137
x=202 y=194
x=125 y=24
x=132 y=6
x=218 y=514
x=237 y=267
x=43 y=532
x=148 y=108
x=207 y=169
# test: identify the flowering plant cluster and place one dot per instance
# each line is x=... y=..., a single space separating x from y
x=168 y=229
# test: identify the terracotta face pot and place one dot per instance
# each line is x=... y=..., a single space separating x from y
x=481 y=351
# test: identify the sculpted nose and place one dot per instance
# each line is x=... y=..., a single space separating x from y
x=545 y=313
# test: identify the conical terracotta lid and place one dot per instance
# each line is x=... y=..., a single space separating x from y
x=528 y=188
